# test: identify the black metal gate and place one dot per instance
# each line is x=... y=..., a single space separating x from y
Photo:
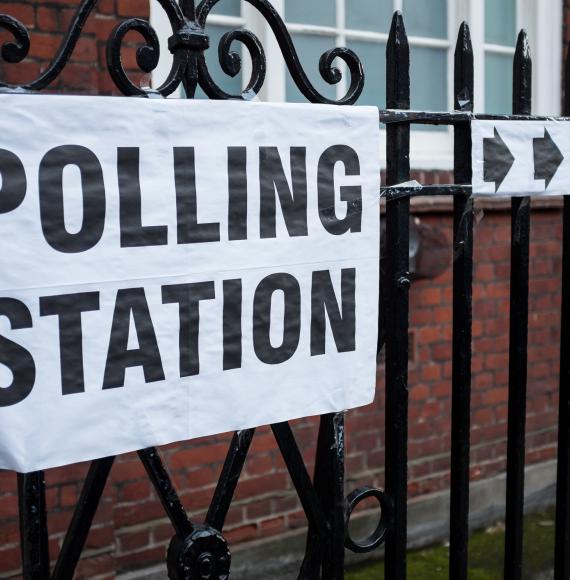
x=199 y=550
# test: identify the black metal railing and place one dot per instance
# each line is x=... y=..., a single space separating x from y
x=199 y=550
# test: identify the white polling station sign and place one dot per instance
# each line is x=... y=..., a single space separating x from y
x=521 y=157
x=173 y=269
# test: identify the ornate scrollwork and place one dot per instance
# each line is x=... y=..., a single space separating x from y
x=330 y=74
x=230 y=62
x=147 y=55
x=188 y=43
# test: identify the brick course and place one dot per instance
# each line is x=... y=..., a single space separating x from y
x=131 y=530
x=48 y=22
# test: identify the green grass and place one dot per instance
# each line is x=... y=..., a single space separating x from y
x=485 y=554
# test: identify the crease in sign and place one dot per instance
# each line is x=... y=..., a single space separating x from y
x=520 y=158
x=353 y=208
x=194 y=274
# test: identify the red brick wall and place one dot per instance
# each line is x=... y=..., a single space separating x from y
x=131 y=530
x=48 y=22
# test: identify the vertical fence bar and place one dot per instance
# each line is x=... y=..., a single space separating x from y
x=397 y=285
x=330 y=484
x=326 y=551
x=33 y=526
x=300 y=478
x=82 y=519
x=462 y=311
x=164 y=488
x=562 y=540
x=228 y=480
x=518 y=335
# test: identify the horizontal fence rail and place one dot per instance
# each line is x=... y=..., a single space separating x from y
x=393 y=116
x=199 y=549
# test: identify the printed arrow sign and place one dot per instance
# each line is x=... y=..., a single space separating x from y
x=547 y=158
x=498 y=160
x=520 y=157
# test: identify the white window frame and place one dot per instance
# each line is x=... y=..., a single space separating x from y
x=543 y=21
x=429 y=150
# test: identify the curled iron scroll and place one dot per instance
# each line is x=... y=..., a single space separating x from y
x=230 y=62
x=15 y=51
x=147 y=55
x=330 y=74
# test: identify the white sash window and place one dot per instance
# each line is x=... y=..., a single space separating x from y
x=432 y=26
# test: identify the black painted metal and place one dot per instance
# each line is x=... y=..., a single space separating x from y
x=203 y=553
x=301 y=479
x=82 y=519
x=562 y=541
x=324 y=554
x=390 y=116
x=378 y=536
x=200 y=550
x=235 y=459
x=397 y=285
x=518 y=335
x=329 y=483
x=33 y=525
x=462 y=299
x=418 y=190
x=165 y=490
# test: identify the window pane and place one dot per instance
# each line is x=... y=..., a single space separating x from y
x=500 y=22
x=498 y=83
x=426 y=18
x=428 y=74
x=321 y=12
x=373 y=57
x=227 y=8
x=375 y=15
x=310 y=48
x=224 y=81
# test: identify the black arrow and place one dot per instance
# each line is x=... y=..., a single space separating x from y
x=547 y=158
x=497 y=160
